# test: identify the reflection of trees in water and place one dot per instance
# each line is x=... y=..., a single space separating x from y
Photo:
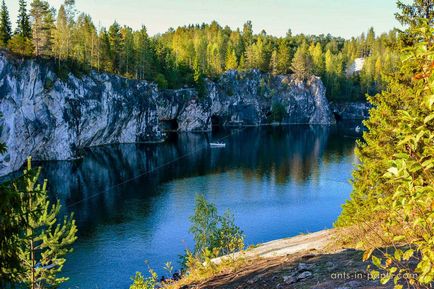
x=279 y=154
x=282 y=153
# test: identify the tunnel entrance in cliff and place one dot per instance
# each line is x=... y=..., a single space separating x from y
x=216 y=122
x=169 y=125
x=337 y=116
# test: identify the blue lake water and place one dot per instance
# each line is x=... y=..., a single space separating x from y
x=132 y=202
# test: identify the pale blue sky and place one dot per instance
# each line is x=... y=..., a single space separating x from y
x=344 y=18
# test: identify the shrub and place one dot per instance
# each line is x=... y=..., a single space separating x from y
x=161 y=81
x=392 y=203
x=140 y=282
x=214 y=235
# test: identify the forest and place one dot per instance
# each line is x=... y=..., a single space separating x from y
x=185 y=56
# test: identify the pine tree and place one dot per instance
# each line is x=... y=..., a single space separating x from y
x=105 y=51
x=274 y=63
x=301 y=63
x=42 y=24
x=198 y=77
x=43 y=242
x=5 y=25
x=248 y=33
x=231 y=60
x=61 y=41
x=411 y=13
x=143 y=54
x=329 y=62
x=283 y=58
x=127 y=54
x=115 y=39
x=317 y=59
x=23 y=22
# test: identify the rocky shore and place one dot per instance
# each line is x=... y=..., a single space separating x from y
x=307 y=261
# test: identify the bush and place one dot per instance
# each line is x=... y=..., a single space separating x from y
x=214 y=235
x=140 y=282
x=161 y=81
x=21 y=45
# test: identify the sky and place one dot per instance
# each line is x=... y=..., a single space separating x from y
x=345 y=18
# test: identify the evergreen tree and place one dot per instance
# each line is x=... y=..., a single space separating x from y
x=42 y=24
x=411 y=13
x=144 y=55
x=105 y=59
x=248 y=33
x=274 y=63
x=283 y=58
x=231 y=60
x=317 y=59
x=33 y=243
x=5 y=26
x=61 y=33
x=127 y=55
x=115 y=39
x=43 y=242
x=23 y=22
x=301 y=63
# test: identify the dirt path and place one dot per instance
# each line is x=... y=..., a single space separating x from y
x=305 y=261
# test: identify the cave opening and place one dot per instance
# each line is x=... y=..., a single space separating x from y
x=216 y=121
x=169 y=125
x=337 y=116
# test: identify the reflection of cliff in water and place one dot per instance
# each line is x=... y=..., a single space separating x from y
x=109 y=176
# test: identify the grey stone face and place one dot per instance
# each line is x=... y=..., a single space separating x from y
x=246 y=99
x=351 y=110
x=50 y=118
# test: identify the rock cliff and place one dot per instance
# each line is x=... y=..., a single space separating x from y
x=52 y=118
x=351 y=110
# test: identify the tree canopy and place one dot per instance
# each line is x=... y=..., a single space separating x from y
x=188 y=54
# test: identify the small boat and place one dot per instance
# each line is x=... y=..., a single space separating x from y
x=217 y=145
x=358 y=129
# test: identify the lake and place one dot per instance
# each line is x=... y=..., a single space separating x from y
x=132 y=202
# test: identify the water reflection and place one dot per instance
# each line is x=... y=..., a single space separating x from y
x=132 y=201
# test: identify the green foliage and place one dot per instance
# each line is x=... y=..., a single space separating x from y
x=214 y=235
x=42 y=25
x=23 y=22
x=302 y=63
x=11 y=225
x=188 y=55
x=21 y=45
x=278 y=111
x=5 y=26
x=140 y=282
x=161 y=81
x=40 y=243
x=392 y=203
x=412 y=13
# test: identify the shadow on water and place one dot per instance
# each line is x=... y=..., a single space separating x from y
x=132 y=201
